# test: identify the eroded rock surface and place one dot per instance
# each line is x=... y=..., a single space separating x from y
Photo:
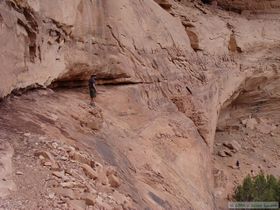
x=170 y=70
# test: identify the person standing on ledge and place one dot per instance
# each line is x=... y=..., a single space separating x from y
x=92 y=89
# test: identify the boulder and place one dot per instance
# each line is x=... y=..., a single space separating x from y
x=228 y=153
x=166 y=4
x=68 y=193
x=48 y=157
x=70 y=184
x=90 y=199
x=111 y=170
x=102 y=178
x=222 y=153
x=89 y=171
x=114 y=181
x=250 y=123
x=232 y=145
x=82 y=158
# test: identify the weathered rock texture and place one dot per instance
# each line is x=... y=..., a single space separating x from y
x=252 y=5
x=178 y=63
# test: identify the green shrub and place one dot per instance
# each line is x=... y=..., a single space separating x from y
x=259 y=188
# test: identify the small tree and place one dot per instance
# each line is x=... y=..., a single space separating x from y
x=259 y=188
x=245 y=191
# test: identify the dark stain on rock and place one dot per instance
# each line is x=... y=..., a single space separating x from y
x=163 y=203
x=106 y=152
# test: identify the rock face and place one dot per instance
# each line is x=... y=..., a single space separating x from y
x=176 y=66
x=47 y=41
x=241 y=5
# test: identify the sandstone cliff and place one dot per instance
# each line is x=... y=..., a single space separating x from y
x=169 y=72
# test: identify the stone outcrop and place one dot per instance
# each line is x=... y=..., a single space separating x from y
x=166 y=4
x=252 y=5
x=48 y=41
x=176 y=66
